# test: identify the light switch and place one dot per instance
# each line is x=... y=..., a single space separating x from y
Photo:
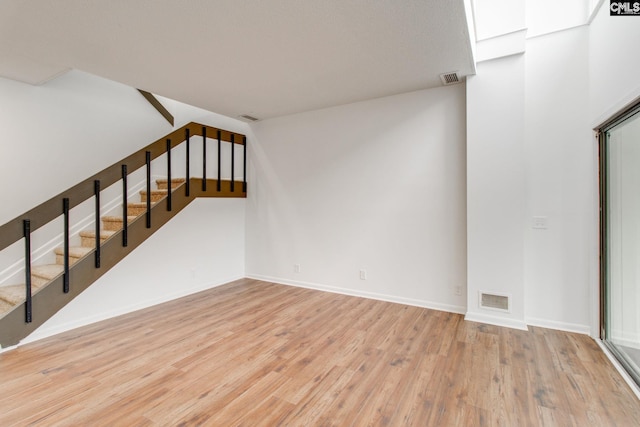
x=540 y=222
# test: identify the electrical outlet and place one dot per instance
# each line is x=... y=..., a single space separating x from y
x=458 y=290
x=363 y=274
x=296 y=268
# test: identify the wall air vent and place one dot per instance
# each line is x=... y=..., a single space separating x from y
x=450 y=78
x=249 y=118
x=494 y=301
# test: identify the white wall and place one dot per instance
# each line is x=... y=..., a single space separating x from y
x=498 y=17
x=531 y=154
x=546 y=16
x=58 y=134
x=560 y=156
x=613 y=64
x=201 y=247
x=496 y=192
x=376 y=185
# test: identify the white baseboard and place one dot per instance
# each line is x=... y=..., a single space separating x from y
x=496 y=320
x=4 y=349
x=39 y=334
x=561 y=326
x=370 y=295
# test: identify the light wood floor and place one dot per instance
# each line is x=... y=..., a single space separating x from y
x=253 y=353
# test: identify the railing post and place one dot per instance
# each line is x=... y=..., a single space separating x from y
x=148 y=162
x=168 y=174
x=219 y=162
x=244 y=164
x=204 y=158
x=65 y=211
x=233 y=161
x=188 y=184
x=96 y=190
x=125 y=208
x=26 y=225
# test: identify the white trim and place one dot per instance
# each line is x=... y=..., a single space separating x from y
x=502 y=46
x=496 y=320
x=560 y=326
x=630 y=382
x=3 y=349
x=139 y=305
x=594 y=12
x=559 y=30
x=632 y=97
x=370 y=295
x=510 y=33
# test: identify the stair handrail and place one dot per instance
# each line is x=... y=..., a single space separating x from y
x=46 y=212
x=47 y=299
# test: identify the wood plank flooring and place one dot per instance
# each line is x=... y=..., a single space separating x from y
x=253 y=353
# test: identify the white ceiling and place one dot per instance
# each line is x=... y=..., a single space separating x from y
x=265 y=58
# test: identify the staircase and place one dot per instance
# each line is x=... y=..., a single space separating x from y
x=52 y=285
x=42 y=275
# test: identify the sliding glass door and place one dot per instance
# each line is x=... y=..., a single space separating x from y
x=620 y=174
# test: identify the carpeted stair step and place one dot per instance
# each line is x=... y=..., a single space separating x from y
x=175 y=183
x=114 y=223
x=40 y=276
x=16 y=294
x=137 y=209
x=12 y=295
x=75 y=253
x=43 y=274
x=156 y=195
x=5 y=307
x=88 y=237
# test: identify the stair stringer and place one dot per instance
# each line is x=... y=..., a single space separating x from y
x=82 y=274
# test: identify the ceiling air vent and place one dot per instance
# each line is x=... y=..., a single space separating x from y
x=249 y=118
x=494 y=301
x=450 y=78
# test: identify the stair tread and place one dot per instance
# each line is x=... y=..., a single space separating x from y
x=15 y=294
x=139 y=204
x=118 y=218
x=104 y=234
x=47 y=271
x=173 y=180
x=5 y=307
x=164 y=191
x=74 y=251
